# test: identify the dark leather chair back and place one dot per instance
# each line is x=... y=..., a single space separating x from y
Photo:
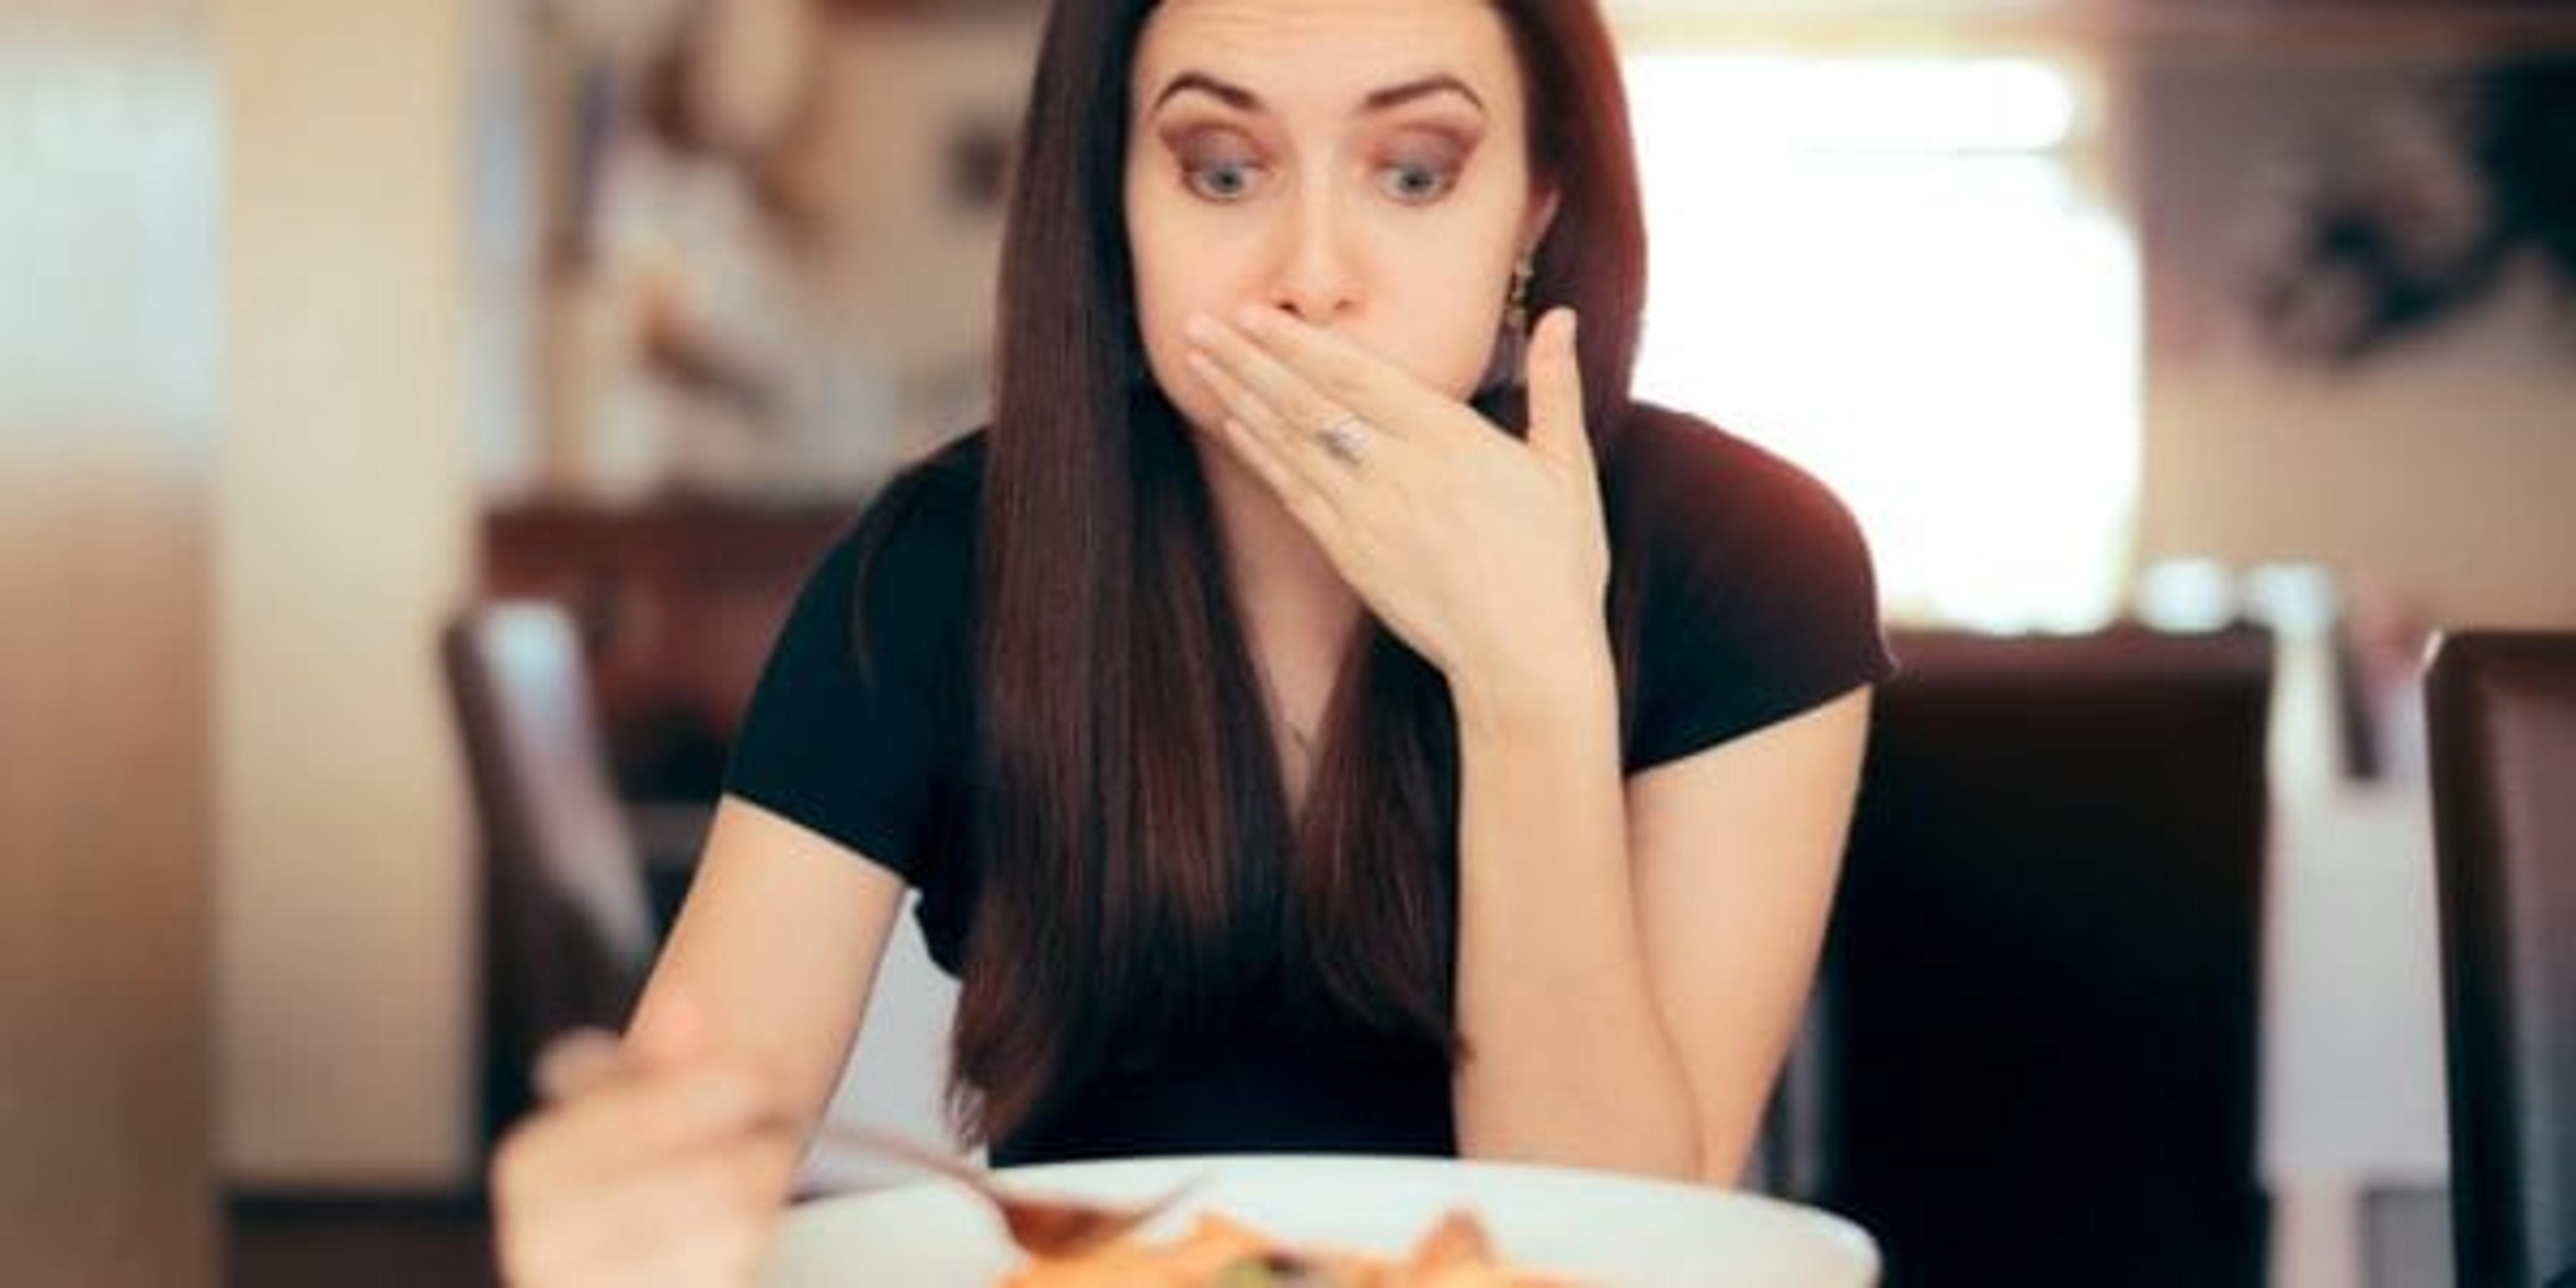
x=2502 y=717
x=567 y=928
x=2035 y=1036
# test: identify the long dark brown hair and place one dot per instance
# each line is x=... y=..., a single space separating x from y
x=1140 y=868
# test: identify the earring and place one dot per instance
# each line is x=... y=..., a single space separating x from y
x=1516 y=312
x=1511 y=346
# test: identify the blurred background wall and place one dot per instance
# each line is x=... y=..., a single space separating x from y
x=2437 y=471
x=110 y=286
x=343 y=532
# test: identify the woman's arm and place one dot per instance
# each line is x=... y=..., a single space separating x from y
x=1737 y=851
x=662 y=1159
x=778 y=945
x=1632 y=959
x=1568 y=1058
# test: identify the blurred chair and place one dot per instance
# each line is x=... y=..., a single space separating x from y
x=2502 y=717
x=2032 y=1057
x=567 y=927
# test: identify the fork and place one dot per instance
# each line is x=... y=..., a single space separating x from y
x=1042 y=1226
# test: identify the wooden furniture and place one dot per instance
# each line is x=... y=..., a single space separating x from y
x=568 y=933
x=677 y=604
x=599 y=686
x=2502 y=711
x=2033 y=1053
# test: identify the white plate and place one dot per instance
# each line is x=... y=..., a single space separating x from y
x=1601 y=1228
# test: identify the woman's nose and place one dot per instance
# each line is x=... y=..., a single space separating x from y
x=1317 y=278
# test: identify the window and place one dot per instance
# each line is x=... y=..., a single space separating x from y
x=1893 y=273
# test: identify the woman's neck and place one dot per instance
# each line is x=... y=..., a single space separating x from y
x=1298 y=612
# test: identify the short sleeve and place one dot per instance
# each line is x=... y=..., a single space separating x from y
x=1760 y=601
x=861 y=746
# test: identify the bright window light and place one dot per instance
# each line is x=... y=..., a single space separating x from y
x=1888 y=272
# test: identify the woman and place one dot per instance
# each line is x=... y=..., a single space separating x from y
x=1304 y=734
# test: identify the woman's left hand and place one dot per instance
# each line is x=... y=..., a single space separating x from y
x=1486 y=554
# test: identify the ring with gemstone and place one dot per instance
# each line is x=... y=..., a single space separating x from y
x=1346 y=439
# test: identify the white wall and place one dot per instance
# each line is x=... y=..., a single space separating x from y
x=344 y=528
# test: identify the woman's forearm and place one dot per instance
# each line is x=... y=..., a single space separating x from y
x=1568 y=1061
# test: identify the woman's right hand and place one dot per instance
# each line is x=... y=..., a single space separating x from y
x=660 y=1160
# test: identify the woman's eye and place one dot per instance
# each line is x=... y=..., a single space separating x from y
x=1222 y=180
x=1419 y=184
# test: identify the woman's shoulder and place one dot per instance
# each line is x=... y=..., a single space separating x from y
x=856 y=725
x=900 y=576
x=938 y=494
x=1672 y=478
x=1757 y=595
x=915 y=538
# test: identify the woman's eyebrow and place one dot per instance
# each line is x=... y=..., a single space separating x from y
x=1387 y=99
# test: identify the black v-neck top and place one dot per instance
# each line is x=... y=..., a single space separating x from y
x=1759 y=603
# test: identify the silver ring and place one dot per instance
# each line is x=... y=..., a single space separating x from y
x=1346 y=439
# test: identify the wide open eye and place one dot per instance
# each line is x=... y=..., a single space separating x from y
x=1418 y=184
x=1226 y=181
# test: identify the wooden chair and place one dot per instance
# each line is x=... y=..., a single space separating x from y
x=568 y=932
x=2501 y=711
x=2032 y=1057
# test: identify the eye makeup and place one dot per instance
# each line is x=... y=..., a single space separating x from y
x=1222 y=162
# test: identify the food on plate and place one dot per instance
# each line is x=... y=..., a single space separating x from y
x=1222 y=1253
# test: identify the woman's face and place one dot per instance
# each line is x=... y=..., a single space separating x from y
x=1359 y=163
